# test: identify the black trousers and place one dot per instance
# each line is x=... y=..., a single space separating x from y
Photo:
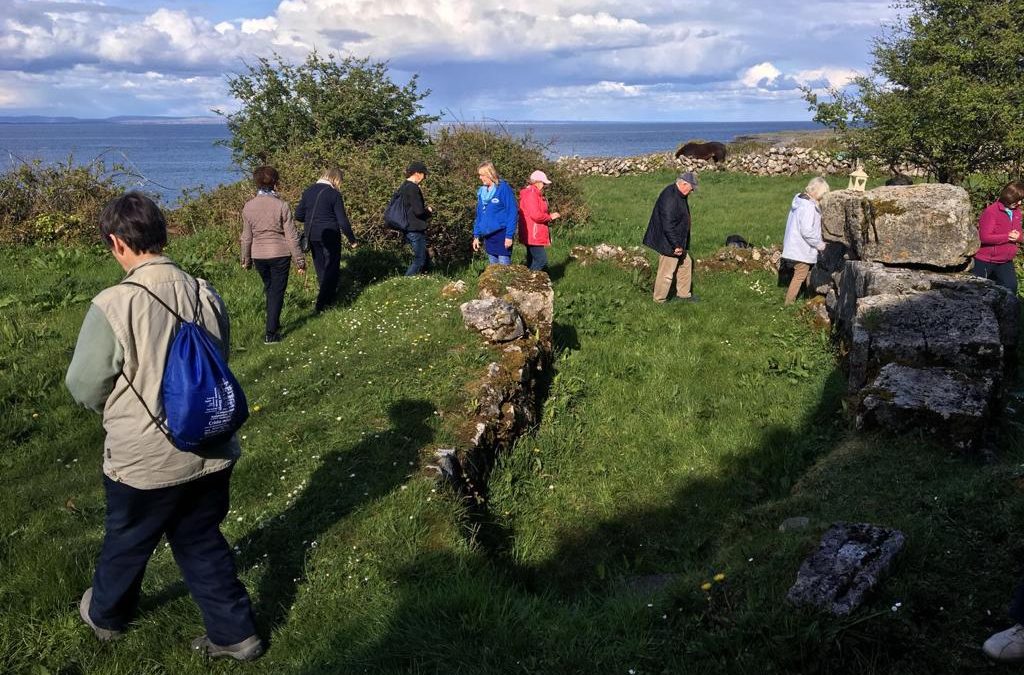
x=274 y=272
x=189 y=515
x=327 y=261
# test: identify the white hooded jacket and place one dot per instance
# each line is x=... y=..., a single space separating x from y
x=803 y=231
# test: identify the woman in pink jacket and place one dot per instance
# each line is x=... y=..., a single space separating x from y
x=534 y=219
x=999 y=229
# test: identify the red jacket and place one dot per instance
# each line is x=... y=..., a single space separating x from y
x=994 y=229
x=533 y=217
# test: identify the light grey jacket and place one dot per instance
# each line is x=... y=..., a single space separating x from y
x=125 y=337
x=803 y=231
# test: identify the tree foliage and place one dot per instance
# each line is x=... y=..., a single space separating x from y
x=322 y=101
x=945 y=92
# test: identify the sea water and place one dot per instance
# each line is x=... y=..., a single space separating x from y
x=164 y=159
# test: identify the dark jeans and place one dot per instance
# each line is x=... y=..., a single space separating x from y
x=189 y=515
x=536 y=257
x=1002 y=273
x=274 y=272
x=420 y=255
x=327 y=261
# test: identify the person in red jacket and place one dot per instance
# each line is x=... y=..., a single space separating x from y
x=999 y=229
x=534 y=219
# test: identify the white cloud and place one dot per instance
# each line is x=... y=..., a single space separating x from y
x=473 y=50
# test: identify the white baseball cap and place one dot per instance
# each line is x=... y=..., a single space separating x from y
x=539 y=176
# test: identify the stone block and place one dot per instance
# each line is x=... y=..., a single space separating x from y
x=850 y=560
x=921 y=319
x=943 y=402
x=927 y=224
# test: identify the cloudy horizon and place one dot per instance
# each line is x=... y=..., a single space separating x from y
x=595 y=60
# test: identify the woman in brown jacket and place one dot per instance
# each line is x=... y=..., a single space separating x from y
x=270 y=243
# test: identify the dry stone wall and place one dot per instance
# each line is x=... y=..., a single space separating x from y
x=925 y=345
x=514 y=313
x=776 y=161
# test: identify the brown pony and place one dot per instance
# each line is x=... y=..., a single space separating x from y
x=713 y=150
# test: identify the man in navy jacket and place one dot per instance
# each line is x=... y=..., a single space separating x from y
x=668 y=233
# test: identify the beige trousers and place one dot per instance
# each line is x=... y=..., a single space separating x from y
x=669 y=268
x=800 y=272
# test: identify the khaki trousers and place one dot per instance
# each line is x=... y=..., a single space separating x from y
x=800 y=272
x=669 y=268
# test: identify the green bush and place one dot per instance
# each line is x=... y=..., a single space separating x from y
x=372 y=173
x=57 y=203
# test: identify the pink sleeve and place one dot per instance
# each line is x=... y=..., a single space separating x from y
x=533 y=207
x=987 y=232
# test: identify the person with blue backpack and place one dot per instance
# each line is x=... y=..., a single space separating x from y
x=497 y=216
x=152 y=358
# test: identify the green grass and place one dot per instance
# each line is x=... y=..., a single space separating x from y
x=674 y=440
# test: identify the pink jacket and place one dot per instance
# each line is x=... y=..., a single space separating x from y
x=994 y=228
x=533 y=217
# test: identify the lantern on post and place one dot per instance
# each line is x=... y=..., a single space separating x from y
x=858 y=179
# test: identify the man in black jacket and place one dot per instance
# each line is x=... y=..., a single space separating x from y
x=668 y=233
x=416 y=214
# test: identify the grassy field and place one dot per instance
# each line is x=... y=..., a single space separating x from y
x=634 y=531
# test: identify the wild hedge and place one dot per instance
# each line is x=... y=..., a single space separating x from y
x=373 y=172
x=58 y=203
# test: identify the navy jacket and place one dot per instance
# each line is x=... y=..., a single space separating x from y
x=669 y=227
x=415 y=210
x=328 y=215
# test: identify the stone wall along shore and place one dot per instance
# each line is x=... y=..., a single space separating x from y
x=776 y=161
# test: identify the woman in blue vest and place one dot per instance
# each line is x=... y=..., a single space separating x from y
x=497 y=215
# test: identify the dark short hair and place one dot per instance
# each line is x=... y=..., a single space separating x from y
x=137 y=221
x=265 y=177
x=416 y=167
x=1011 y=194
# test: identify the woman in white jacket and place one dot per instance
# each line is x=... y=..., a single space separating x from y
x=803 y=234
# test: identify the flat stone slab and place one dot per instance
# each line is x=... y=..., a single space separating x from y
x=944 y=402
x=850 y=561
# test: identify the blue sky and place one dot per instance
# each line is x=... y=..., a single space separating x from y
x=664 y=60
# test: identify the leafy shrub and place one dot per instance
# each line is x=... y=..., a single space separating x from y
x=373 y=172
x=57 y=203
x=323 y=100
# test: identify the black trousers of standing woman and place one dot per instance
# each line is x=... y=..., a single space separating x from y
x=274 y=272
x=327 y=261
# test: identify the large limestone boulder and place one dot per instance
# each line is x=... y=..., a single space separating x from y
x=926 y=224
x=939 y=327
x=496 y=319
x=946 y=403
x=917 y=318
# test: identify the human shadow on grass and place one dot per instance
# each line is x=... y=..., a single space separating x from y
x=347 y=478
x=485 y=601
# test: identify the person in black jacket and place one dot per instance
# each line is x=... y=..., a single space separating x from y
x=322 y=209
x=668 y=233
x=417 y=213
